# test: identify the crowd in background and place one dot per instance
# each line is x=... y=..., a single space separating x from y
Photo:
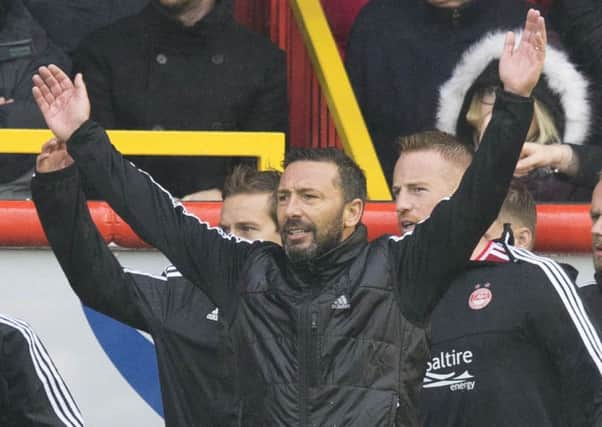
x=414 y=66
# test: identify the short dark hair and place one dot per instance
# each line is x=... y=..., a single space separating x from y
x=519 y=207
x=247 y=180
x=447 y=145
x=351 y=178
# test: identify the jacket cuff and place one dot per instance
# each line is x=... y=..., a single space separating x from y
x=589 y=165
x=77 y=136
x=55 y=176
x=512 y=97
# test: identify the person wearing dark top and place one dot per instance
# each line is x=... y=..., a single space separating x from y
x=24 y=46
x=510 y=342
x=192 y=341
x=564 y=118
x=184 y=65
x=400 y=52
x=329 y=328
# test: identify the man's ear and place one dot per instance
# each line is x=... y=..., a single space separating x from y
x=352 y=213
x=523 y=238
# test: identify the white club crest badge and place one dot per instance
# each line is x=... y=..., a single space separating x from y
x=480 y=297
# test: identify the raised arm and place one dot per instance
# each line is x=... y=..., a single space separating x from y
x=208 y=257
x=440 y=247
x=93 y=272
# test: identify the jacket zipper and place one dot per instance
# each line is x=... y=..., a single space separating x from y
x=307 y=351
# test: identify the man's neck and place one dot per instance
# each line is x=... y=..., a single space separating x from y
x=190 y=17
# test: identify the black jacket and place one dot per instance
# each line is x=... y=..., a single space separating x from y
x=401 y=51
x=24 y=46
x=591 y=293
x=193 y=351
x=32 y=393
x=147 y=72
x=512 y=346
x=338 y=341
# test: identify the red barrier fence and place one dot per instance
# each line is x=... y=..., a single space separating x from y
x=560 y=228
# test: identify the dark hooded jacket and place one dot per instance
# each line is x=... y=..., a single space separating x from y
x=149 y=72
x=563 y=90
x=336 y=341
x=401 y=51
x=24 y=47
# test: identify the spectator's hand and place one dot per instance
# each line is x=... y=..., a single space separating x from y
x=5 y=101
x=53 y=157
x=64 y=104
x=557 y=156
x=520 y=68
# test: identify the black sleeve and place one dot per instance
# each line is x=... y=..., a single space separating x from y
x=92 y=270
x=269 y=111
x=563 y=328
x=89 y=60
x=36 y=393
x=209 y=258
x=426 y=260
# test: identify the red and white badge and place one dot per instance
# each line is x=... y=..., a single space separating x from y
x=480 y=297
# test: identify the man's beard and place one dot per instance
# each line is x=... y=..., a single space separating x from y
x=321 y=243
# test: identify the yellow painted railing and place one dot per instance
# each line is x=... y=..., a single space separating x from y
x=267 y=147
x=335 y=84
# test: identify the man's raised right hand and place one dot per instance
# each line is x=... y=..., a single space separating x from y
x=63 y=103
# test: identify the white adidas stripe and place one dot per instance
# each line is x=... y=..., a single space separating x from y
x=571 y=300
x=583 y=285
x=59 y=397
x=177 y=204
x=571 y=295
x=141 y=273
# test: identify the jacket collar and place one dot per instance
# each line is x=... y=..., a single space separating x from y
x=321 y=270
x=213 y=22
x=598 y=277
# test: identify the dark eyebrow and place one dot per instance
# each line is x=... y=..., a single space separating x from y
x=247 y=223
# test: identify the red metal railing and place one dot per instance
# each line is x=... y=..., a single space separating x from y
x=560 y=228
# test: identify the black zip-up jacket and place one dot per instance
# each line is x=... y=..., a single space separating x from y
x=512 y=346
x=340 y=341
x=32 y=392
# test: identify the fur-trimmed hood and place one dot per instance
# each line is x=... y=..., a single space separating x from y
x=560 y=77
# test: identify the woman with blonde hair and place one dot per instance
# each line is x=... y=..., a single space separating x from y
x=561 y=129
